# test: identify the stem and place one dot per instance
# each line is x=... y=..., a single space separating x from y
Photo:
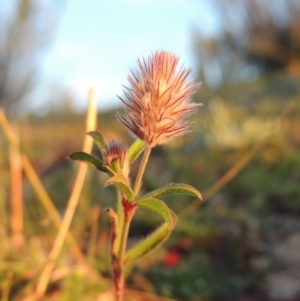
x=119 y=268
x=128 y=209
x=139 y=176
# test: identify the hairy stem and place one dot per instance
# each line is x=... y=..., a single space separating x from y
x=128 y=210
x=119 y=265
x=138 y=181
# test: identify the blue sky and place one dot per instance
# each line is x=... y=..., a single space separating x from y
x=98 y=41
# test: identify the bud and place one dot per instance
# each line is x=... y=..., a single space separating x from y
x=116 y=157
x=158 y=100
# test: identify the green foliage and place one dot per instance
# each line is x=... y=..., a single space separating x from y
x=121 y=183
x=198 y=278
x=99 y=140
x=78 y=286
x=136 y=149
x=151 y=242
x=172 y=189
x=88 y=159
x=161 y=208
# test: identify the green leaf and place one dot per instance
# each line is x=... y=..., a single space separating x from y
x=88 y=159
x=174 y=189
x=149 y=243
x=99 y=140
x=121 y=183
x=121 y=220
x=136 y=149
x=161 y=208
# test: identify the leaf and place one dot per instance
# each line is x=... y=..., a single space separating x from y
x=161 y=208
x=88 y=159
x=99 y=140
x=121 y=183
x=121 y=219
x=174 y=188
x=136 y=149
x=149 y=243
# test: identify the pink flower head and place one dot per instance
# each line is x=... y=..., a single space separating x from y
x=158 y=100
x=115 y=156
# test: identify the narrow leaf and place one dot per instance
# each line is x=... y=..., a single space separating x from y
x=136 y=149
x=121 y=183
x=88 y=159
x=161 y=208
x=99 y=140
x=120 y=214
x=149 y=243
x=174 y=189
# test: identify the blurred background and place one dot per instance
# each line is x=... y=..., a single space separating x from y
x=243 y=154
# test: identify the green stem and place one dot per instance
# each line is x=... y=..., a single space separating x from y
x=139 y=176
x=120 y=213
x=119 y=274
x=128 y=209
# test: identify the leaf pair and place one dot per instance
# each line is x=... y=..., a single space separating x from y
x=150 y=201
x=134 y=151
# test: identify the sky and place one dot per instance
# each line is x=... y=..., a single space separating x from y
x=96 y=42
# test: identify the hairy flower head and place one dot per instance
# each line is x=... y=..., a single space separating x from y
x=116 y=157
x=157 y=102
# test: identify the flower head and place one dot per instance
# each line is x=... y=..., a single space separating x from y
x=115 y=156
x=158 y=100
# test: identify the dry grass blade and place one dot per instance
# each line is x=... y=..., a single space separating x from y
x=16 y=197
x=39 y=188
x=91 y=125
